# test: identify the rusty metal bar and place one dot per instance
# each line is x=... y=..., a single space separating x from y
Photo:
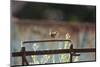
x=24 y=61
x=44 y=41
x=71 y=53
x=27 y=53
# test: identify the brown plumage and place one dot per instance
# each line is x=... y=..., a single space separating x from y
x=53 y=34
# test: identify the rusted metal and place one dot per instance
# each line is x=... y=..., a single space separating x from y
x=24 y=61
x=27 y=53
x=71 y=51
x=45 y=41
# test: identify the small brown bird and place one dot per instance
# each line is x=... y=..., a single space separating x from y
x=53 y=34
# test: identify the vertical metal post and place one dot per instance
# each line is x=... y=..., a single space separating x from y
x=71 y=53
x=23 y=50
x=24 y=61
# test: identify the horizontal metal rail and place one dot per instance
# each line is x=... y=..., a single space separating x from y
x=45 y=41
x=27 y=53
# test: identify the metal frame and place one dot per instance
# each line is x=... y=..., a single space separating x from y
x=73 y=52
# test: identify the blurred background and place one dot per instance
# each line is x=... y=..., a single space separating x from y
x=34 y=21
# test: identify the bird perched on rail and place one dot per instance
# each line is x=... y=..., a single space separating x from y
x=53 y=34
